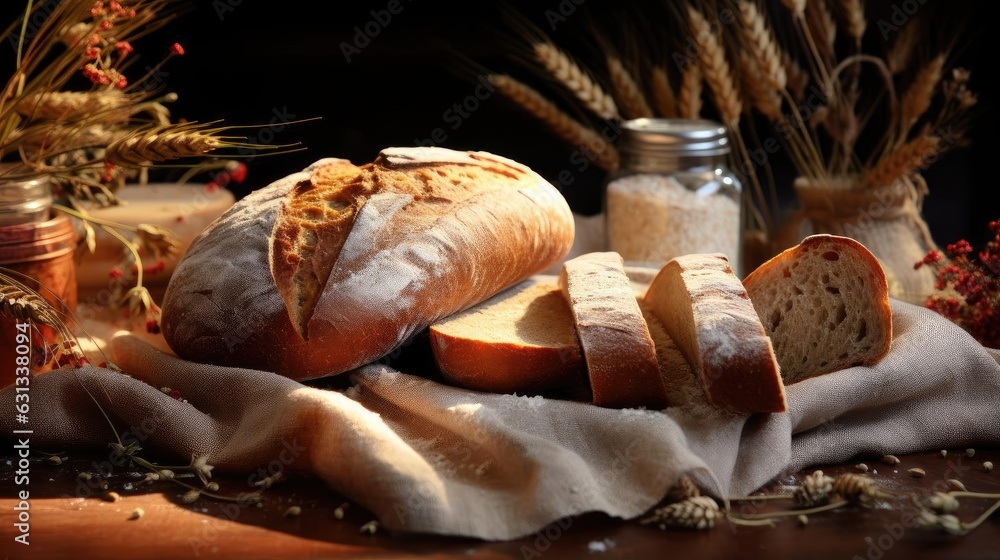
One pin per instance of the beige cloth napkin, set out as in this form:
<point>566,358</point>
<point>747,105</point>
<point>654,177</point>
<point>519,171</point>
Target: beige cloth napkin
<point>430,458</point>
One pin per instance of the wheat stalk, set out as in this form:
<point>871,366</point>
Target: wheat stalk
<point>568,128</point>
<point>717,73</point>
<point>576,80</point>
<point>797,7</point>
<point>917,98</point>
<point>762,94</point>
<point>912,155</point>
<point>689,99</point>
<point>663,94</point>
<point>822,26</point>
<point>899,54</point>
<point>627,91</point>
<point>147,146</point>
<point>762,46</point>
<point>854,14</point>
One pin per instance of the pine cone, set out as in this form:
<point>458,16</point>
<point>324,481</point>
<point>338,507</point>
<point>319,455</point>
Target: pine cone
<point>814,491</point>
<point>699,512</point>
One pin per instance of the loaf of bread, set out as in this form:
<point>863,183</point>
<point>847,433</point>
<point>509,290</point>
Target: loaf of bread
<point>521,340</point>
<point>825,305</point>
<point>617,347</point>
<point>706,311</point>
<point>338,265</point>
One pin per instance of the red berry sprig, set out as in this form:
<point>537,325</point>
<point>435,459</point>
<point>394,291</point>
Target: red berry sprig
<point>970,283</point>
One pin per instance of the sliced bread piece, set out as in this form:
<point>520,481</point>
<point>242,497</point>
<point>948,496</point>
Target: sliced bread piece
<point>683,388</point>
<point>521,340</point>
<point>617,348</point>
<point>706,311</point>
<point>825,305</point>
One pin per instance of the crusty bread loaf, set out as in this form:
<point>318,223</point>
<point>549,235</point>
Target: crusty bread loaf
<point>825,305</point>
<point>705,310</point>
<point>521,340</point>
<point>617,348</point>
<point>417,235</point>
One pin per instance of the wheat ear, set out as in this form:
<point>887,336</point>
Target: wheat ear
<point>762,94</point>
<point>761,44</point>
<point>663,94</point>
<point>822,26</point>
<point>797,78</point>
<point>917,97</point>
<point>22,305</point>
<point>576,80</point>
<point>689,99</point>
<point>566,127</point>
<point>901,51</point>
<point>627,91</point>
<point>70,105</point>
<point>854,15</point>
<point>717,72</point>
<point>797,7</point>
<point>152,145</point>
<point>912,155</point>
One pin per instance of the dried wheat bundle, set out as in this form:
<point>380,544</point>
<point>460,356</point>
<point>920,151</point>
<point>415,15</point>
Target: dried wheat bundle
<point>576,80</point>
<point>568,128</point>
<point>716,69</point>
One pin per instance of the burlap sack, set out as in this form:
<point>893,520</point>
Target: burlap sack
<point>426,457</point>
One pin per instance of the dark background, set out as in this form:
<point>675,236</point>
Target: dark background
<point>248,60</point>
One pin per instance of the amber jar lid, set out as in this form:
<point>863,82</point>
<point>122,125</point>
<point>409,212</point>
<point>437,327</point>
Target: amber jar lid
<point>30,242</point>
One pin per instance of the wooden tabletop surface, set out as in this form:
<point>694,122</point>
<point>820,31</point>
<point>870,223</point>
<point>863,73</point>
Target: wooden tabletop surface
<point>69,521</point>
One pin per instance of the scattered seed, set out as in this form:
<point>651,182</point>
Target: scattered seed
<point>970,452</point>
<point>917,472</point>
<point>339,512</point>
<point>890,460</point>
<point>369,528</point>
<point>260,505</point>
<point>941,502</point>
<point>212,486</point>
<point>191,496</point>
<point>54,460</point>
<point>956,484</point>
<point>861,467</point>
<point>944,453</point>
<point>112,496</point>
<point>136,514</point>
<point>874,471</point>
<point>803,520</point>
<point>988,466</point>
<point>84,476</point>
<point>293,511</point>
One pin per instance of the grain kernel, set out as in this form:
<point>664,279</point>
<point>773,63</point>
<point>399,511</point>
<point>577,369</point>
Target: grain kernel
<point>970,452</point>
<point>988,466</point>
<point>112,496</point>
<point>917,472</point>
<point>369,528</point>
<point>956,484</point>
<point>890,460</point>
<point>803,520</point>
<point>861,467</point>
<point>944,453</point>
<point>293,511</point>
<point>136,514</point>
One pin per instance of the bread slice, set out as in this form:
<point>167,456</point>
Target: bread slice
<point>679,380</point>
<point>825,305</point>
<point>617,348</point>
<point>706,311</point>
<point>521,340</point>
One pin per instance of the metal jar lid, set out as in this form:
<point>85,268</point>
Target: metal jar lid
<point>24,201</point>
<point>674,137</point>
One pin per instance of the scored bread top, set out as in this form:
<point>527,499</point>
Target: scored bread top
<point>706,311</point>
<point>825,305</point>
<point>320,213</point>
<point>617,347</point>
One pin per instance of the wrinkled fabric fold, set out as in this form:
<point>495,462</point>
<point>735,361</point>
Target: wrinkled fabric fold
<point>430,458</point>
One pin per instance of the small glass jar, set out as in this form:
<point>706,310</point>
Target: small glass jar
<point>673,193</point>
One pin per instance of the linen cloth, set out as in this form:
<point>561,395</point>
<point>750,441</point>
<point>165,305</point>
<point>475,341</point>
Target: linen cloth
<point>426,457</point>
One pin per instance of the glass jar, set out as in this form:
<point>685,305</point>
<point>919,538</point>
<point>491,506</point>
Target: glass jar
<point>673,193</point>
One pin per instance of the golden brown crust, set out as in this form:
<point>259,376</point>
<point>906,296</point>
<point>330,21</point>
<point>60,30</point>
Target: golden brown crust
<point>706,311</point>
<point>618,350</point>
<point>825,304</point>
<point>438,231</point>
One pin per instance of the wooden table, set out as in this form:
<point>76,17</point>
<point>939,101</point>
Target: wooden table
<point>65,525</point>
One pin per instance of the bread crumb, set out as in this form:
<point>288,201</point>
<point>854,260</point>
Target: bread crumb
<point>970,452</point>
<point>988,466</point>
<point>112,496</point>
<point>369,528</point>
<point>136,514</point>
<point>944,453</point>
<point>600,546</point>
<point>293,511</point>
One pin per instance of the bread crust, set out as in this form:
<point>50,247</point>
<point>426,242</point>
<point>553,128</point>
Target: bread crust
<point>617,347</point>
<point>706,311</point>
<point>438,231</point>
<point>839,263</point>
